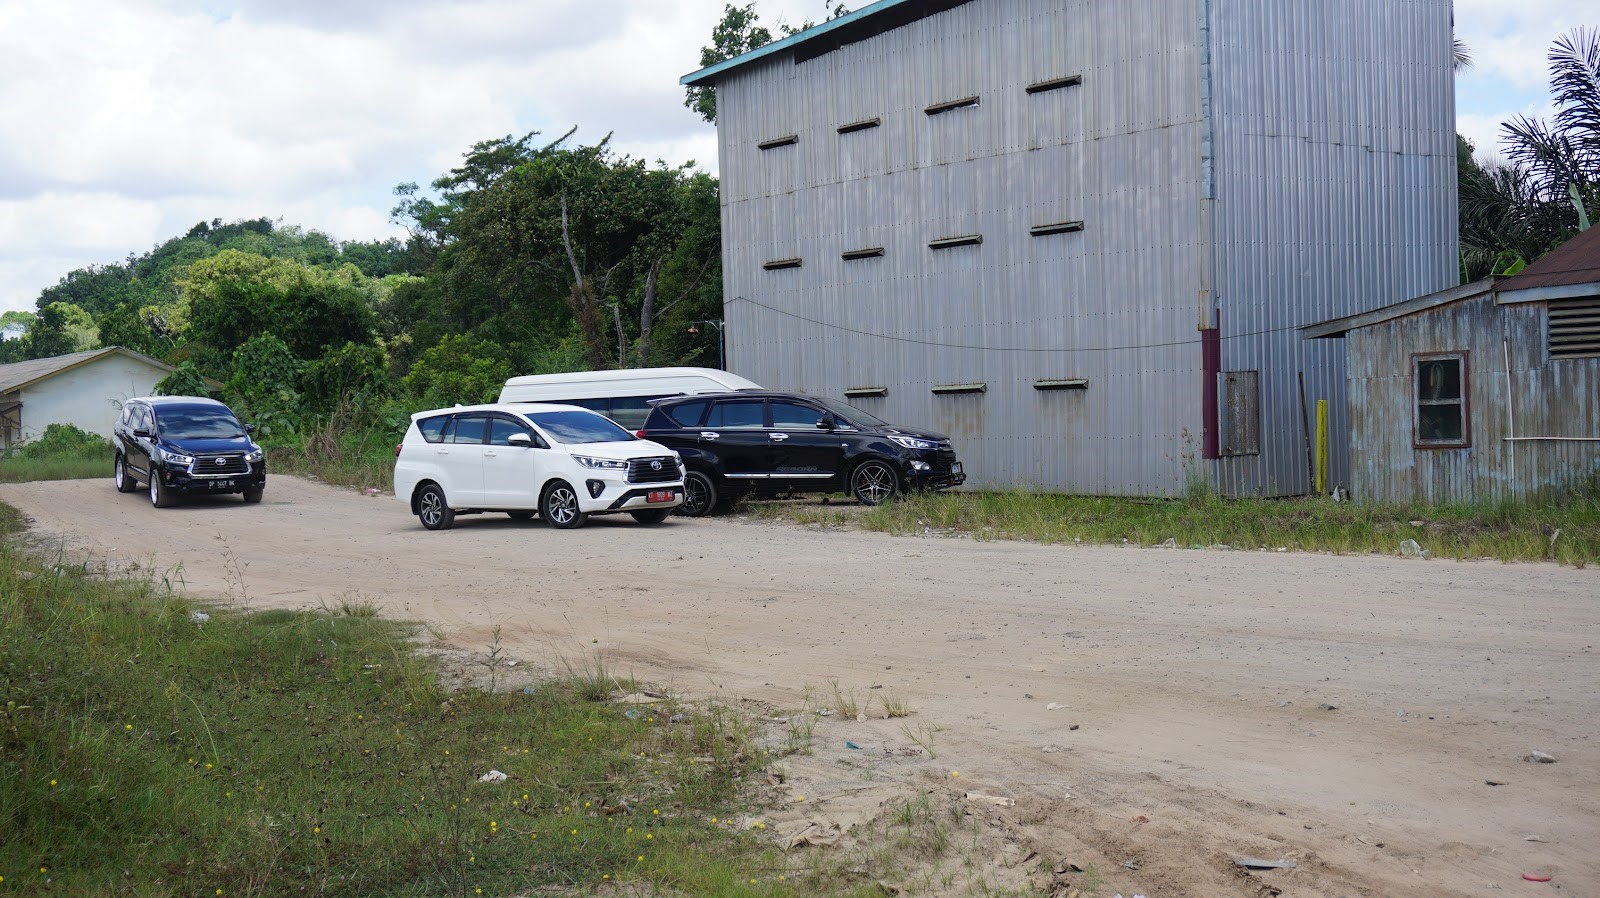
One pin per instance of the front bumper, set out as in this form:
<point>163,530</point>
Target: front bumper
<point>934,473</point>
<point>601,493</point>
<point>184,482</point>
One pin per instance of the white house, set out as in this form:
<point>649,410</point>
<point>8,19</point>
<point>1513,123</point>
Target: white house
<point>84,389</point>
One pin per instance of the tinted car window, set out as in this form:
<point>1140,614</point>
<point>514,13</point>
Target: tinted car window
<point>198,424</point>
<point>735,415</point>
<point>579,427</point>
<point>852,414</point>
<point>433,428</point>
<point>469,429</point>
<point>630,411</point>
<point>689,414</point>
<point>501,429</point>
<point>794,415</point>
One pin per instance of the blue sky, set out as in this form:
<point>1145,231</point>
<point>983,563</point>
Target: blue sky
<point>127,121</point>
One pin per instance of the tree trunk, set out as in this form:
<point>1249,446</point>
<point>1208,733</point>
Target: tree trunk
<point>647,312</point>
<point>581,299</point>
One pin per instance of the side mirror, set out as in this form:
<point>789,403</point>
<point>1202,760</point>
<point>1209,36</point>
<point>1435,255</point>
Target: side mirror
<point>520,439</point>
<point>142,434</point>
<point>828,422</point>
<point>249,428</point>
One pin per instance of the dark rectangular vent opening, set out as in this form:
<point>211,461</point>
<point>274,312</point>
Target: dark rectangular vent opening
<point>1055,84</point>
<point>776,142</point>
<point>1062,383</point>
<point>871,252</point>
<point>1060,227</point>
<point>777,264</point>
<point>1575,328</point>
<point>866,392</point>
<point>948,242</point>
<point>860,126</point>
<point>949,389</point>
<point>963,103</point>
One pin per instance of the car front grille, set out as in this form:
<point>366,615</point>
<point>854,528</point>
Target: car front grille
<point>656,469</point>
<point>222,465</point>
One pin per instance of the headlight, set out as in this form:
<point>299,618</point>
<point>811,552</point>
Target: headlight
<point>915,443</point>
<point>254,455</point>
<point>603,464</point>
<point>173,458</point>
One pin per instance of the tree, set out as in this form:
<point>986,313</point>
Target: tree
<point>1561,159</point>
<point>737,33</point>
<point>185,381</point>
<point>234,296</point>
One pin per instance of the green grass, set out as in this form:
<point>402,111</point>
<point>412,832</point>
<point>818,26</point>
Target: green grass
<point>291,753</point>
<point>82,464</point>
<point>1505,531</point>
<point>358,457</point>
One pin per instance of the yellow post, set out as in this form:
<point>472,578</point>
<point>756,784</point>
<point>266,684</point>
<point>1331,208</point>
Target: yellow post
<point>1322,446</point>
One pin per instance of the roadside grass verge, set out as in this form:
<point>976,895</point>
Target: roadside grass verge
<point>336,454</point>
<point>278,752</point>
<point>79,465</point>
<point>1567,532</point>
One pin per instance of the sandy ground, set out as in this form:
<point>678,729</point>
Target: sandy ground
<point>1155,713</point>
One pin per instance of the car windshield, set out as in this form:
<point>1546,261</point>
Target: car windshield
<point>850,413</point>
<point>198,424</point>
<point>579,427</point>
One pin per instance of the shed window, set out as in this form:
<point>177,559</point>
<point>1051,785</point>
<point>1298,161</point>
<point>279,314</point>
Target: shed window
<point>953,242</point>
<point>1575,328</point>
<point>1441,391</point>
<point>788,140</point>
<point>780,264</point>
<point>855,255</point>
<point>862,125</point>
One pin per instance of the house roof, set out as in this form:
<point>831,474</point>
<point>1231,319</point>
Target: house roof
<point>1338,327</point>
<point>1571,269</point>
<point>868,21</point>
<point>17,375</point>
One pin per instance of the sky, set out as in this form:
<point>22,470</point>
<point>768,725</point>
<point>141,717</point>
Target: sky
<point>125,122</point>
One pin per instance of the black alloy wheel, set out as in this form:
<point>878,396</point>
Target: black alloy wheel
<point>699,495</point>
<point>873,482</point>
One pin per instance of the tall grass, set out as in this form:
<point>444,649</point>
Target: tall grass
<point>1566,531</point>
<point>79,465</point>
<point>145,752</point>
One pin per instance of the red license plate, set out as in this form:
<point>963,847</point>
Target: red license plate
<point>661,496</point>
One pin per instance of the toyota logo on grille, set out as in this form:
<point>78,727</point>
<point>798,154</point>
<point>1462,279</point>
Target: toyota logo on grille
<point>222,461</point>
<point>655,465</point>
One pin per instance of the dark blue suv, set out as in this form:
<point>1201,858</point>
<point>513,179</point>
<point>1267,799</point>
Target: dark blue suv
<point>186,444</point>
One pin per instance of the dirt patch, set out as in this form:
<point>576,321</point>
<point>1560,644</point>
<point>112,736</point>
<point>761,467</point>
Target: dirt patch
<point>1154,714</point>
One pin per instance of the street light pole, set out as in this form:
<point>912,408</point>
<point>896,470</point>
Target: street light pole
<point>718,324</point>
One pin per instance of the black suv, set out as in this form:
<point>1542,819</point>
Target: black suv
<point>186,444</point>
<point>770,443</point>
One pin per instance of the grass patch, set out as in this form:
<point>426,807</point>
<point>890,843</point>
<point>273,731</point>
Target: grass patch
<point>337,454</point>
<point>286,753</point>
<point>62,452</point>
<point>1567,532</point>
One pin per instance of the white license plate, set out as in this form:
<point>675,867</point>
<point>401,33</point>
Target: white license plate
<point>661,496</point>
<point>222,484</point>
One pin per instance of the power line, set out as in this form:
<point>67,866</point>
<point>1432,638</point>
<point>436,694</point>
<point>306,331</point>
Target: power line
<point>851,330</point>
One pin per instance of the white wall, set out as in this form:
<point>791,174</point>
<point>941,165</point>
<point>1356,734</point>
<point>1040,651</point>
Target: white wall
<point>89,396</point>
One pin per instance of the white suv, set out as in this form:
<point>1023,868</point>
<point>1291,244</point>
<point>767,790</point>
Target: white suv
<point>563,462</point>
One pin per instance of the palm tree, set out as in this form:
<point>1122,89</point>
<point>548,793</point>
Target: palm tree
<point>1561,159</point>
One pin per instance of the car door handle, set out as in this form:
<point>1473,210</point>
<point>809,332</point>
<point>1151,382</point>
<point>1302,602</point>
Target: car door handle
<point>710,435</point>
<point>442,451</point>
<point>778,437</point>
<point>491,454</point>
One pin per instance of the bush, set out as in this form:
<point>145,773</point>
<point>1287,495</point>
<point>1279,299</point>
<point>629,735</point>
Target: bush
<point>65,439</point>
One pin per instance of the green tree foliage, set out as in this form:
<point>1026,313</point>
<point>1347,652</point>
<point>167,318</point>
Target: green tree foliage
<point>354,375</point>
<point>61,328</point>
<point>458,370</point>
<point>234,296</point>
<point>125,326</point>
<point>261,385</point>
<point>738,32</point>
<point>64,439</point>
<point>185,381</point>
<point>1516,211</point>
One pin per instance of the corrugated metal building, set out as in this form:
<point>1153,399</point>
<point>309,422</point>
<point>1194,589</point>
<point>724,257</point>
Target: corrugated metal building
<point>1484,391</point>
<point>1078,235</point>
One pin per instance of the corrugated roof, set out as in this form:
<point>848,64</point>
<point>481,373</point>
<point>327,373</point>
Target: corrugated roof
<point>17,375</point>
<point>868,21</point>
<point>1338,327</point>
<point>1575,262</point>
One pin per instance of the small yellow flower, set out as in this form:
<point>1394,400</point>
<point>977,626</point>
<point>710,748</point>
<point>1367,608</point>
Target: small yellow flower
<point>316,829</point>
<point>219,891</point>
<point>799,798</point>
<point>641,857</point>
<point>713,820</point>
<point>127,726</point>
<point>586,804</point>
<point>955,773</point>
<point>208,766</point>
<point>656,811</point>
<point>44,869</point>
<point>472,859</point>
<point>605,876</point>
<point>649,835</point>
<point>52,782</point>
<point>574,832</point>
<point>630,829</point>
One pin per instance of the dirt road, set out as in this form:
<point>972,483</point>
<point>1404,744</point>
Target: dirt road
<point>1348,713</point>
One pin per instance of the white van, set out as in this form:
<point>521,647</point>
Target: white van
<point>623,395</point>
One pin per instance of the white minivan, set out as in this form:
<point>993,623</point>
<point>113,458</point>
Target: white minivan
<point>560,462</point>
<point>623,395</point>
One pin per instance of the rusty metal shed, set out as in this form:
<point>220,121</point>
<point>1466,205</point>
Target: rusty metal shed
<point>1485,391</point>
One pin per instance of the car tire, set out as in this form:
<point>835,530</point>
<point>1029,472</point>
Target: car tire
<point>520,515</point>
<point>874,482</point>
<point>560,508</point>
<point>433,509</point>
<point>699,495</point>
<point>253,494</point>
<point>651,515</point>
<point>160,495</point>
<point>120,476</point>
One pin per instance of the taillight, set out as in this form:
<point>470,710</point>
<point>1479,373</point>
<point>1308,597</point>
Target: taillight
<point>397,449</point>
<point>642,434</point>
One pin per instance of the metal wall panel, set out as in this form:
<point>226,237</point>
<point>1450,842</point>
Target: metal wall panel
<point>1119,302</point>
<point>1543,398</point>
<point>1336,180</point>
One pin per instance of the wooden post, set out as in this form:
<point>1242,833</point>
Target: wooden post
<point>1322,446</point>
